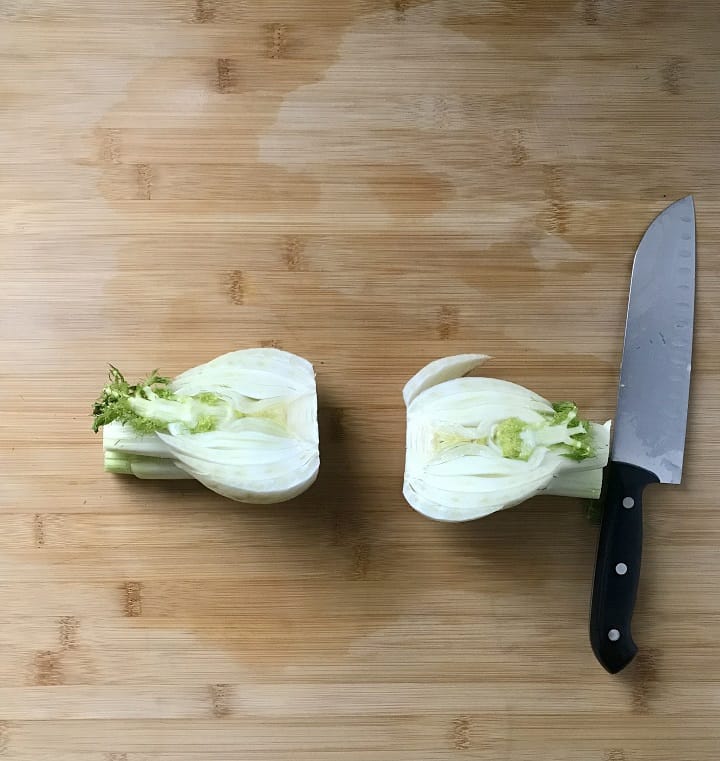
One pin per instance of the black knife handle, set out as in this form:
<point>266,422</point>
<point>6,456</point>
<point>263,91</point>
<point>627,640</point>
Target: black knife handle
<point>617,569</point>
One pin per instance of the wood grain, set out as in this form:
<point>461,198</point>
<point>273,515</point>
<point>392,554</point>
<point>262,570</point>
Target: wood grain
<point>371,184</point>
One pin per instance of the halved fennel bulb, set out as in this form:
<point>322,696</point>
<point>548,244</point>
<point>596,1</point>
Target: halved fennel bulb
<point>243,424</point>
<point>477,445</point>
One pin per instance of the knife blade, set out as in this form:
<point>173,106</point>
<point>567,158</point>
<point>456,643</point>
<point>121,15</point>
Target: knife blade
<point>651,419</point>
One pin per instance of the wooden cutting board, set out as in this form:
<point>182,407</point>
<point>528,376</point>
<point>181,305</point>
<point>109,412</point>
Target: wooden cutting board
<point>370,184</point>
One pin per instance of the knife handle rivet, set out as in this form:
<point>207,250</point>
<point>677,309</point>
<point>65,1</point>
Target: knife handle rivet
<point>613,635</point>
<point>621,569</point>
<point>628,502</point>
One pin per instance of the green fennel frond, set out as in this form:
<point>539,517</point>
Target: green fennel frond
<point>113,404</point>
<point>579,444</point>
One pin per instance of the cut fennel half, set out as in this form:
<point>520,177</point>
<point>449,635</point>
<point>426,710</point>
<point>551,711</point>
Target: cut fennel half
<point>477,445</point>
<point>243,424</point>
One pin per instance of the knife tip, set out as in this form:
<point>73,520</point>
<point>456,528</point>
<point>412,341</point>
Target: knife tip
<point>685,202</point>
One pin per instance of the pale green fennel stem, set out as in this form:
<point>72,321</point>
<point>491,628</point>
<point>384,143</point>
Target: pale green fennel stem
<point>142,467</point>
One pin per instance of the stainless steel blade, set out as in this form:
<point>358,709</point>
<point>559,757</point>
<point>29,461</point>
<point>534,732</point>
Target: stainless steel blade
<point>655,373</point>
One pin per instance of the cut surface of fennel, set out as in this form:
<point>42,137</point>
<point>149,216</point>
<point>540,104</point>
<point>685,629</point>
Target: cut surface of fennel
<point>243,424</point>
<point>477,445</point>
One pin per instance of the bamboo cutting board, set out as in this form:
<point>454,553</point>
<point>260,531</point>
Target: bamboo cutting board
<point>370,184</point>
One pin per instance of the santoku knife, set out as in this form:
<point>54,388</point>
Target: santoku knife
<point>649,427</point>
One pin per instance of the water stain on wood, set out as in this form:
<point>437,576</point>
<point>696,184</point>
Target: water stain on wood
<point>531,22</point>
<point>168,83</point>
<point>641,13</point>
<point>500,264</point>
<point>220,700</point>
<point>235,285</point>
<point>519,14</point>
<point>132,599</point>
<point>317,540</point>
<point>116,757</point>
<point>407,190</point>
<point>47,668</point>
<point>270,343</point>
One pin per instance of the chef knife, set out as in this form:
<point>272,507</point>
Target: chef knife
<point>649,428</point>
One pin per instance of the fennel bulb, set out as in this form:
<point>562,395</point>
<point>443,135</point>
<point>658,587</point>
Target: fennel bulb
<point>243,424</point>
<point>478,445</point>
